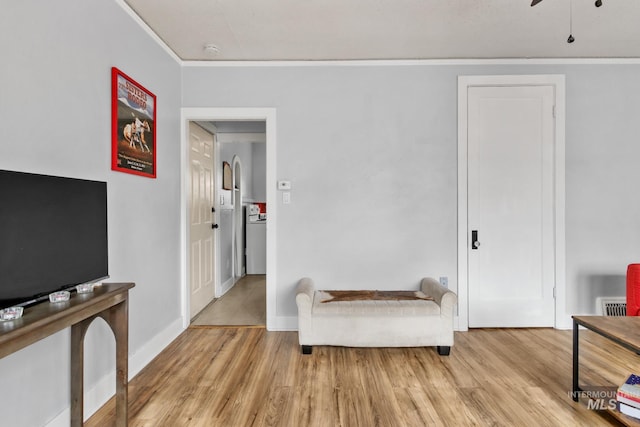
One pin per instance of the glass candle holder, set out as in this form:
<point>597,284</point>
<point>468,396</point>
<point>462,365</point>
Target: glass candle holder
<point>84,288</point>
<point>11,313</point>
<point>59,296</point>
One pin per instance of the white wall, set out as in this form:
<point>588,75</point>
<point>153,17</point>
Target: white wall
<point>243,151</point>
<point>55,115</point>
<point>254,163</point>
<point>366,149</point>
<point>371,153</point>
<point>253,159</point>
<point>259,172</point>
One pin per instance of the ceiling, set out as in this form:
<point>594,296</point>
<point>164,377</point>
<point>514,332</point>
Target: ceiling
<point>302,30</point>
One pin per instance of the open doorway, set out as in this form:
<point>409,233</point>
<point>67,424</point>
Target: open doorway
<point>240,297</point>
<point>231,205</point>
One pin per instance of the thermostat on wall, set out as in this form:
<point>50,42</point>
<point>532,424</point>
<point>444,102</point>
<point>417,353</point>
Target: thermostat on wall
<point>284,185</point>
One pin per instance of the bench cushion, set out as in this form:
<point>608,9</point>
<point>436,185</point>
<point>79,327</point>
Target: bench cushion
<point>414,307</point>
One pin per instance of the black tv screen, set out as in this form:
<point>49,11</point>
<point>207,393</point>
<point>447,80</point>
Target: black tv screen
<point>53,235</point>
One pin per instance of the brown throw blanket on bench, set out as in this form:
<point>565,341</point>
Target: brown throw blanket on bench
<point>375,295</point>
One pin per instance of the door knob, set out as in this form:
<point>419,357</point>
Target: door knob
<point>475,244</point>
<point>214,226</point>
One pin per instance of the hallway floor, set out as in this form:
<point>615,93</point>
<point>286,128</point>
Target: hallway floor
<point>243,305</point>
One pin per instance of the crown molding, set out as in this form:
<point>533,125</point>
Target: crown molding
<point>418,62</point>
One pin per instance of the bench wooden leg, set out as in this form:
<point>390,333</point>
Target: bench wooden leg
<point>444,350</point>
<point>307,349</point>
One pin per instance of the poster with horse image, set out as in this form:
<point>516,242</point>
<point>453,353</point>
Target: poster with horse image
<point>133,126</point>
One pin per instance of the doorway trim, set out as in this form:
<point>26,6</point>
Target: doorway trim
<point>238,218</point>
<point>268,115</point>
<point>562,320</point>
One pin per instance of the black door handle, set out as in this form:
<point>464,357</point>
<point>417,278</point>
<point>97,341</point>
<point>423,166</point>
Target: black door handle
<point>214,226</point>
<point>475,244</point>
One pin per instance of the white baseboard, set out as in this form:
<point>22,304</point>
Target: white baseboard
<point>456,324</point>
<point>564,322</point>
<point>290,323</point>
<point>228,284</point>
<point>98,394</point>
<point>282,323</point>
<point>153,347</point>
<point>62,420</point>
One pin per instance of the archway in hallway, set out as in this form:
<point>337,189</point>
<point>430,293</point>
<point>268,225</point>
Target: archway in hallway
<point>238,217</point>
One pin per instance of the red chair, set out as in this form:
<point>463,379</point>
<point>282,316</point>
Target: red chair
<point>633,290</point>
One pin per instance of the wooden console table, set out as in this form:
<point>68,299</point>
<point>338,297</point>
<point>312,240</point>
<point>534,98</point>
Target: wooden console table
<point>622,330</point>
<point>110,302</point>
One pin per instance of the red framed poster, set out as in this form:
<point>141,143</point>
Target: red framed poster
<point>133,126</point>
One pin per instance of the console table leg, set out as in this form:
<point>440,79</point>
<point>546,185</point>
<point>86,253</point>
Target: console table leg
<point>120,320</point>
<point>77,371</point>
<point>117,317</point>
<point>576,387</point>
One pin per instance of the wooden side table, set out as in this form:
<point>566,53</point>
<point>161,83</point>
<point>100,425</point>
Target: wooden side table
<point>622,330</point>
<point>110,302</point>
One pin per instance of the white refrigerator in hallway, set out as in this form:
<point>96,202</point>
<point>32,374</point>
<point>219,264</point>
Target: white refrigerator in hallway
<point>256,240</point>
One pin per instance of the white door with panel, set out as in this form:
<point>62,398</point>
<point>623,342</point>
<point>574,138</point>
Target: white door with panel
<point>202,219</point>
<point>511,206</point>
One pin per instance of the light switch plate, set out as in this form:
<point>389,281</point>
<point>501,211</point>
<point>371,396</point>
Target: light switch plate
<point>284,185</point>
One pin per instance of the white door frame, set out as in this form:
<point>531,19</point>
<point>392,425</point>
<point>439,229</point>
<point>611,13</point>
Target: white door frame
<point>237,216</point>
<point>562,319</point>
<point>229,114</point>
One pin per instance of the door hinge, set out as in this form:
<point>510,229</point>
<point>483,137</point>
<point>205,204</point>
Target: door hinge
<point>553,111</point>
<point>554,292</point>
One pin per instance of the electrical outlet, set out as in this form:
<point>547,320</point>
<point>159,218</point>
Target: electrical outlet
<point>444,281</point>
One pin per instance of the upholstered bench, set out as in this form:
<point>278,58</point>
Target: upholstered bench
<point>424,320</point>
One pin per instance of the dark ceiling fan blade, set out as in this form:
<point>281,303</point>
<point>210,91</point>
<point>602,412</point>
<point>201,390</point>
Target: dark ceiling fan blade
<point>535,2</point>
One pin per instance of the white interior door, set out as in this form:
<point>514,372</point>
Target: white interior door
<point>511,206</point>
<point>201,213</point>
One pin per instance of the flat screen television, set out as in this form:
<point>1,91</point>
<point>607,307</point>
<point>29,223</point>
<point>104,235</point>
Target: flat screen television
<point>53,235</point>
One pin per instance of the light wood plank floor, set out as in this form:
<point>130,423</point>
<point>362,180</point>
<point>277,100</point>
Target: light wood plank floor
<point>252,377</point>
